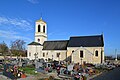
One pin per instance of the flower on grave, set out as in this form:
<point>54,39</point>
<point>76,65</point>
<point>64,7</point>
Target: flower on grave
<point>18,74</point>
<point>11,70</point>
<point>7,70</point>
<point>35,71</point>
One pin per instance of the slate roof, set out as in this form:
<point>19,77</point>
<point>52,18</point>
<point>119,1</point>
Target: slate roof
<point>55,45</point>
<point>86,41</point>
<point>34,43</point>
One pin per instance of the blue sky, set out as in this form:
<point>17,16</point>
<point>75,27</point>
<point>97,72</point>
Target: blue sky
<point>65,18</point>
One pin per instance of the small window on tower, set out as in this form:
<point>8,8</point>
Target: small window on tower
<point>44,28</point>
<point>38,28</point>
<point>38,40</point>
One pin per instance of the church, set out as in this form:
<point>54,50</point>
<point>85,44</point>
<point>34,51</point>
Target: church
<point>82,49</point>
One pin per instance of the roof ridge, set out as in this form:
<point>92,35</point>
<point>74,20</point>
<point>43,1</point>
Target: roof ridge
<point>87,36</point>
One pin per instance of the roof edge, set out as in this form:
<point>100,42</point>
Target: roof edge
<point>87,36</point>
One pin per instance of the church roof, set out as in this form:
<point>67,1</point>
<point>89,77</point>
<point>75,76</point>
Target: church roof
<point>55,45</point>
<point>34,43</point>
<point>40,20</point>
<point>86,41</point>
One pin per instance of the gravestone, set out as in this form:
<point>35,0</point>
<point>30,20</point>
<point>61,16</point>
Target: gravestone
<point>38,64</point>
<point>62,70</point>
<point>70,67</point>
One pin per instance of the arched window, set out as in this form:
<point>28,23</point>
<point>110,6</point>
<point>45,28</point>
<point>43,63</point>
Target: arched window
<point>38,28</point>
<point>44,28</point>
<point>96,53</point>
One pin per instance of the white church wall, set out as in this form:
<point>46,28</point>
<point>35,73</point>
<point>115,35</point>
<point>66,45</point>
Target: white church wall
<point>88,54</point>
<point>32,49</point>
<point>52,54</point>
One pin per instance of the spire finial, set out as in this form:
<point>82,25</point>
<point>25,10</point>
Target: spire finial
<point>41,16</point>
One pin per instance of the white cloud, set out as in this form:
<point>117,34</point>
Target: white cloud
<point>33,1</point>
<point>11,35</point>
<point>16,23</point>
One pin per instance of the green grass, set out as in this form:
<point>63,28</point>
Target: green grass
<point>28,70</point>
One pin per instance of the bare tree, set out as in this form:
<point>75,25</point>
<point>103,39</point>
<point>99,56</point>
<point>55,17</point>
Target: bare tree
<point>18,47</point>
<point>4,49</point>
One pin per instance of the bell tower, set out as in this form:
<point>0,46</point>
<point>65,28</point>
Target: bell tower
<point>40,31</point>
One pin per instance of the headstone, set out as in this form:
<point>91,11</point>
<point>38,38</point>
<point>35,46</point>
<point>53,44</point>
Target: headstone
<point>48,65</point>
<point>62,70</point>
<point>20,64</point>
<point>36,64</point>
<point>70,67</point>
<point>40,64</point>
<point>41,60</point>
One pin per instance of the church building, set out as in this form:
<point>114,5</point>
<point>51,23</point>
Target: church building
<point>82,49</point>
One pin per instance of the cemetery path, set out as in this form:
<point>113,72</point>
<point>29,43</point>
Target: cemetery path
<point>31,77</point>
<point>111,75</point>
<point>2,77</point>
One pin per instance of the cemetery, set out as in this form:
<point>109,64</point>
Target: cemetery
<point>16,69</point>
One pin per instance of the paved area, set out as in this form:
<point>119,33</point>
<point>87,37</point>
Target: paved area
<point>31,77</point>
<point>111,75</point>
<point>2,77</point>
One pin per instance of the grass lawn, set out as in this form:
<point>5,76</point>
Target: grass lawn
<point>28,70</point>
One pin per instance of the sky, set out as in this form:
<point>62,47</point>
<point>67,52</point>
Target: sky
<point>64,18</point>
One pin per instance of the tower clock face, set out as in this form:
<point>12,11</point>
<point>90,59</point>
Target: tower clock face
<point>38,40</point>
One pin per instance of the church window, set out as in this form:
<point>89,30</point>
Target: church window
<point>38,28</point>
<point>72,51</point>
<point>43,54</point>
<point>29,53</point>
<point>44,28</point>
<point>96,53</point>
<point>58,54</point>
<point>81,54</point>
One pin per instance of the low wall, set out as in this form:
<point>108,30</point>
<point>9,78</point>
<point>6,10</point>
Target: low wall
<point>2,57</point>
